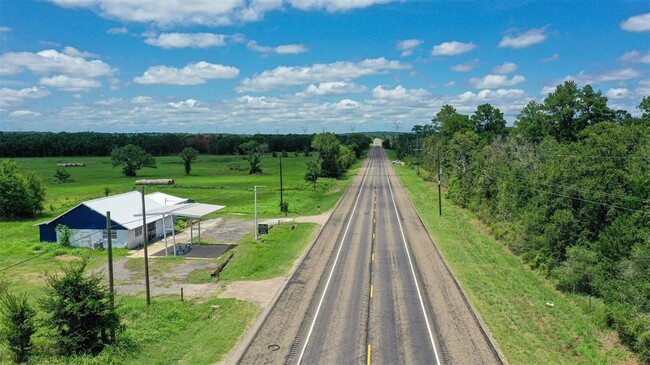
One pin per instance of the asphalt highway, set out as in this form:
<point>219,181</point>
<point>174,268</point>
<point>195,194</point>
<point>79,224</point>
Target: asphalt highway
<point>373,288</point>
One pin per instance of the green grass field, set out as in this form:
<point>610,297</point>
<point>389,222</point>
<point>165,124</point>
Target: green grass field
<point>509,296</point>
<point>170,331</point>
<point>212,181</point>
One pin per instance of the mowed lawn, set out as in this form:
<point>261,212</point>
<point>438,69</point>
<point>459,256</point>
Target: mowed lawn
<point>511,298</point>
<point>192,332</point>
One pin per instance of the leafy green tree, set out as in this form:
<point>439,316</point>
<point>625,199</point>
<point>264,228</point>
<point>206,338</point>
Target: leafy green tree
<point>357,142</point>
<point>488,121</point>
<point>385,143</point>
<point>18,320</point>
<point>571,110</point>
<point>313,172</point>
<point>188,155</point>
<point>644,105</point>
<point>448,121</point>
<point>62,175</point>
<point>579,271</point>
<point>21,196</point>
<point>80,310</point>
<point>328,147</point>
<point>532,122</point>
<point>346,158</point>
<point>132,158</point>
<point>253,151</point>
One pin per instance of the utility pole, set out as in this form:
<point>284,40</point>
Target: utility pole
<point>146,254</point>
<point>109,246</point>
<point>397,137</point>
<point>255,189</point>
<point>439,187</point>
<point>281,191</point>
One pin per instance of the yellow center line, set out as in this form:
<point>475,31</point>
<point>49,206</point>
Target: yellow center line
<point>373,256</point>
<point>369,353</point>
<point>371,290</point>
<point>373,235</point>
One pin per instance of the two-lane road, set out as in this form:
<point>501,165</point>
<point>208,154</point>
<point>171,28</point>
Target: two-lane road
<point>372,289</point>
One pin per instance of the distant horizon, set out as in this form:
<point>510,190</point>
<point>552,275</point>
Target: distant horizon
<point>251,67</point>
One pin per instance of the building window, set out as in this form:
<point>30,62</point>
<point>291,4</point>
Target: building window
<point>138,231</point>
<point>113,234</point>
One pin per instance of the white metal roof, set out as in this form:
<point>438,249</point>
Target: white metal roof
<point>166,199</point>
<point>192,210</point>
<point>124,207</point>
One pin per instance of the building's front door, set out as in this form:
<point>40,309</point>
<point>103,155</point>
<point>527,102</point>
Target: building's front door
<point>151,231</point>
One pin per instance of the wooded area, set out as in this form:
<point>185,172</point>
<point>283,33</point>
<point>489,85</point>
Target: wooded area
<point>47,144</point>
<point>567,188</point>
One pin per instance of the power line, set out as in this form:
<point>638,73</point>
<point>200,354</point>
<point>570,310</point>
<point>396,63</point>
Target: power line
<point>582,156</point>
<point>589,201</point>
<point>633,198</point>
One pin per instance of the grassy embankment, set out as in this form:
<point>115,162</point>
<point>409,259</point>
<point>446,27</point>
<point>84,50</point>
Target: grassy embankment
<point>169,331</point>
<point>510,297</point>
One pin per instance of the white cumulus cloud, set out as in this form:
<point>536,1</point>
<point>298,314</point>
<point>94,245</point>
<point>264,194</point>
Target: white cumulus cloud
<point>452,48</point>
<point>525,39</point>
<point>605,76</point>
<point>24,114</point>
<point>52,61</point>
<point>204,12</point>
<point>407,46</point>
<point>399,93</point>
<point>189,103</point>
<point>67,83</point>
<point>12,97</point>
<point>187,40</point>
<point>635,57</point>
<point>335,5</point>
<point>334,88</point>
<point>495,81</point>
<point>118,30</point>
<point>142,100</point>
<point>466,67</point>
<point>506,68</point>
<point>551,58</point>
<point>192,74</point>
<point>282,49</point>
<point>284,76</point>
<point>619,93</point>
<point>638,23</point>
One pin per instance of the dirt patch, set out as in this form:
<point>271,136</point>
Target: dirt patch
<point>258,292</point>
<point>67,258</point>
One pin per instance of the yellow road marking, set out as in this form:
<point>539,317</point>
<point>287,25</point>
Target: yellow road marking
<point>373,235</point>
<point>373,256</point>
<point>369,353</point>
<point>371,290</point>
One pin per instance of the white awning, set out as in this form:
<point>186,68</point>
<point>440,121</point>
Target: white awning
<point>192,210</point>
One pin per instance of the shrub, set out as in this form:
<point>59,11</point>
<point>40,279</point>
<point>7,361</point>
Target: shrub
<point>18,325</point>
<point>80,310</point>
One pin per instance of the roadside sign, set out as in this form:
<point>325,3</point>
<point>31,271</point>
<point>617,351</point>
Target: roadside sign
<point>262,229</point>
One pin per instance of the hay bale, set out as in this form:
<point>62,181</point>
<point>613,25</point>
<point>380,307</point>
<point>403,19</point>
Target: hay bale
<point>155,182</point>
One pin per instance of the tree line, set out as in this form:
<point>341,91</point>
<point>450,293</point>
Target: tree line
<point>48,144</point>
<point>567,188</point>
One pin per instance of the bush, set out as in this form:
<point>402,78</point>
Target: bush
<point>62,175</point>
<point>18,325</point>
<point>80,310</point>
<point>21,196</point>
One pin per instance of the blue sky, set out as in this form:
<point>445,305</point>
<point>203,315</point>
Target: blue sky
<point>268,66</point>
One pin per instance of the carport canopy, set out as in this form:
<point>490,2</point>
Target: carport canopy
<point>189,210</point>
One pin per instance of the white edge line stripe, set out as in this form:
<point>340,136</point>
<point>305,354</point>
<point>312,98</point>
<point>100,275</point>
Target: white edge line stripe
<point>417,286</point>
<point>327,284</point>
